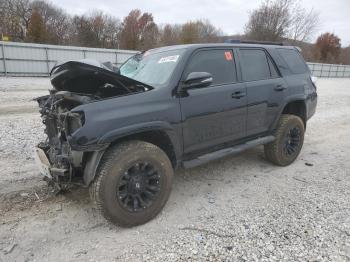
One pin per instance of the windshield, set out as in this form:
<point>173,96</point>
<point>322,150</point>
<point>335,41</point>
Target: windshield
<point>154,69</point>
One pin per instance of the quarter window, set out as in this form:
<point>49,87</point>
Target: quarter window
<point>294,61</point>
<point>219,63</point>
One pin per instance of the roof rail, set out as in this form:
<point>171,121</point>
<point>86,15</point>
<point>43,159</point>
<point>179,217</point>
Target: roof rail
<point>236,41</point>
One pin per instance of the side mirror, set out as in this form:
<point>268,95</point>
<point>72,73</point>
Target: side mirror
<point>198,80</point>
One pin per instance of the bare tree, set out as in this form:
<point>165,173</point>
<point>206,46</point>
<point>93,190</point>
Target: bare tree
<point>105,29</point>
<point>96,30</point>
<point>112,31</point>
<point>303,23</point>
<point>81,33</point>
<point>208,33</point>
<point>270,22</point>
<point>56,22</point>
<point>169,34</point>
<point>280,19</point>
<point>15,18</point>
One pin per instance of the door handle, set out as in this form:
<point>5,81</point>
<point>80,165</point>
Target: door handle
<point>237,94</point>
<point>280,87</point>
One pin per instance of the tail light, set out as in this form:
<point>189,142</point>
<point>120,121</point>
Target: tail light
<point>313,81</point>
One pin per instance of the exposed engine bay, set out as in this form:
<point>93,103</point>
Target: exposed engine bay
<point>75,83</point>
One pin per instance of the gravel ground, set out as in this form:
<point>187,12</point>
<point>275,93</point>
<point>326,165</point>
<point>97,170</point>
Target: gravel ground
<point>240,208</point>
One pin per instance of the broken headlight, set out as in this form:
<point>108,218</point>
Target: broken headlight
<point>74,121</point>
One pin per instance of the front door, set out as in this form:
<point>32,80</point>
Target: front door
<point>214,115</point>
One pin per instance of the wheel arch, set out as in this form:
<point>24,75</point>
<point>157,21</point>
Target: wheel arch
<point>295,107</point>
<point>164,138</point>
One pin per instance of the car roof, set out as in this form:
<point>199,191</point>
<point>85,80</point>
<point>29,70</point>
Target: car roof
<point>213,45</point>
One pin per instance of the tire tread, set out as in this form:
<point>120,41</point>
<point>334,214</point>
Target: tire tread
<point>272,152</point>
<point>105,165</point>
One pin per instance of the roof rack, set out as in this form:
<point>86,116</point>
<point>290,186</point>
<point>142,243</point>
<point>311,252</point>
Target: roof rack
<point>236,41</point>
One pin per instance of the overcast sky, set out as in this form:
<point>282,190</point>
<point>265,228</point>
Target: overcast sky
<point>229,15</point>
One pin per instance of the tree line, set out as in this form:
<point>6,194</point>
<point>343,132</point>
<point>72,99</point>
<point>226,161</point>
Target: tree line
<point>39,21</point>
<point>42,22</point>
<point>287,21</point>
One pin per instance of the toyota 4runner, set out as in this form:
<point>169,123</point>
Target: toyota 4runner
<point>122,133</point>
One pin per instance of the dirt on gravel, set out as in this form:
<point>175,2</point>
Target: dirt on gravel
<point>240,208</point>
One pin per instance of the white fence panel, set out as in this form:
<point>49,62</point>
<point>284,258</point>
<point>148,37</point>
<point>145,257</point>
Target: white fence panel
<point>63,54</point>
<point>22,59</point>
<point>329,70</point>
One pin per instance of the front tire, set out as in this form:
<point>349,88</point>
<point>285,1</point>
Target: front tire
<point>288,143</point>
<point>133,183</point>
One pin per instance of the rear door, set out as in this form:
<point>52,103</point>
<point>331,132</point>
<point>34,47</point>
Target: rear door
<point>216,114</point>
<point>265,89</point>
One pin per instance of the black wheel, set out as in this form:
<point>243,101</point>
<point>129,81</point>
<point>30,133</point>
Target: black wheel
<point>133,183</point>
<point>289,141</point>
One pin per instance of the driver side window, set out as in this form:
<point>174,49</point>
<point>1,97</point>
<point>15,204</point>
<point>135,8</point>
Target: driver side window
<point>219,63</point>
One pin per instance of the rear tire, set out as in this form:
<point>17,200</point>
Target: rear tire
<point>133,183</point>
<point>288,143</point>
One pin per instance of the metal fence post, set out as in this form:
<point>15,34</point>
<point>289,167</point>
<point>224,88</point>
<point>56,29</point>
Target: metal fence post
<point>116,58</point>
<point>47,60</point>
<point>4,58</point>
<point>84,54</point>
<point>336,75</point>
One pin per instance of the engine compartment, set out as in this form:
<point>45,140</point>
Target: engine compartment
<point>76,83</point>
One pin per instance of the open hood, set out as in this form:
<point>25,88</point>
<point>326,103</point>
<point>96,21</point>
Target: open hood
<point>92,77</point>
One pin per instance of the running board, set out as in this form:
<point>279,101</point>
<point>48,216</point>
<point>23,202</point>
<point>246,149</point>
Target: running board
<point>227,151</point>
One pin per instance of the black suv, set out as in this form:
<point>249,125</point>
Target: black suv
<point>124,132</point>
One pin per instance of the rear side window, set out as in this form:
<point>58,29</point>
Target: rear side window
<point>219,63</point>
<point>254,65</point>
<point>294,61</point>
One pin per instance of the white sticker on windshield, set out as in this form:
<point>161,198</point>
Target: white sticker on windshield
<point>168,59</point>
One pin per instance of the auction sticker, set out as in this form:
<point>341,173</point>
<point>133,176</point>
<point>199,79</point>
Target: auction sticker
<point>169,59</point>
<point>228,55</point>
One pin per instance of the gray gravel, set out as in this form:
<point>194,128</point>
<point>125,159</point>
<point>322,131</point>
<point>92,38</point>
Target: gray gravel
<point>239,208</point>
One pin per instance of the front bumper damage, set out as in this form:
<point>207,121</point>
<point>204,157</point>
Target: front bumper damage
<point>65,157</point>
<point>58,160</point>
<point>42,163</point>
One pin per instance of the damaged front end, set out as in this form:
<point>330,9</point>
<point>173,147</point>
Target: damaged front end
<point>75,83</point>
<point>59,162</point>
